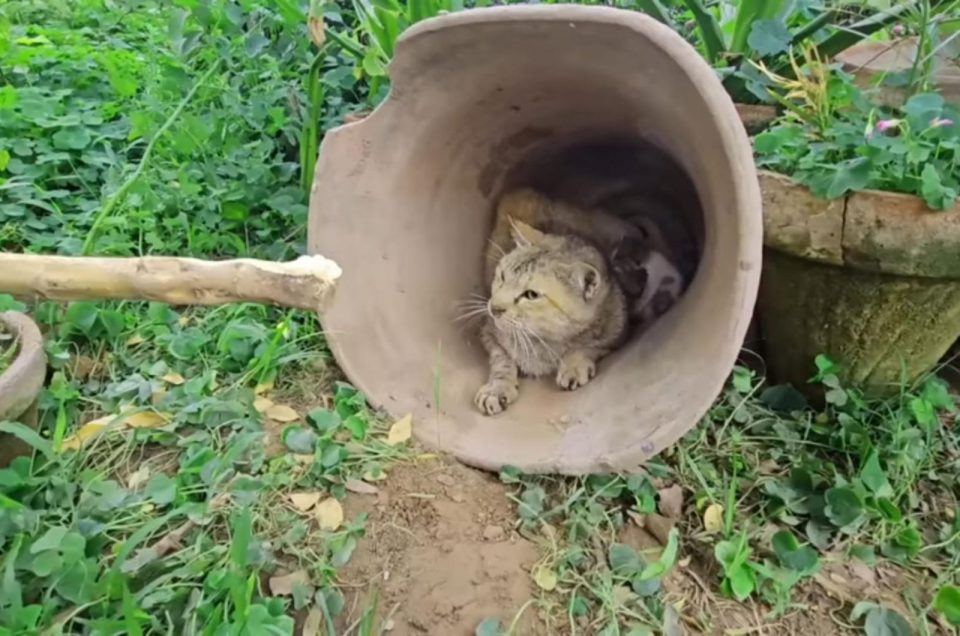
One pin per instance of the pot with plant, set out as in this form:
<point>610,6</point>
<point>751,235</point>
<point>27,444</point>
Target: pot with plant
<point>23,365</point>
<point>862,230</point>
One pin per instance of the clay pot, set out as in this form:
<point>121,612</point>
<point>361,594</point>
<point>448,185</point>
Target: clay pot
<point>404,201</point>
<point>21,383</point>
<point>871,280</point>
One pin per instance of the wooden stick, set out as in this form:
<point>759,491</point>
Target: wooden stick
<point>306,283</point>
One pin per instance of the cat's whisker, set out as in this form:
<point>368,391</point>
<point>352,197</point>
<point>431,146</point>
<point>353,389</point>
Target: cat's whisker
<point>472,313</point>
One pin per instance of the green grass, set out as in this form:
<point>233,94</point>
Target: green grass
<point>172,128</point>
<point>773,491</point>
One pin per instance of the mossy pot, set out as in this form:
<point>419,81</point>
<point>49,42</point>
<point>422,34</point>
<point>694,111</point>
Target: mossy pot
<point>21,382</point>
<point>872,280</point>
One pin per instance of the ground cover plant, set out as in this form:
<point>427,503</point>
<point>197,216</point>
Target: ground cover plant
<point>834,139</point>
<point>194,469</point>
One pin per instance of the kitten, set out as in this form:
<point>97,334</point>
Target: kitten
<point>554,308</point>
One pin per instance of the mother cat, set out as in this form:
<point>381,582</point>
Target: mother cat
<point>555,306</point>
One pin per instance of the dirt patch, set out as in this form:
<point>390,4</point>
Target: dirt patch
<point>441,549</point>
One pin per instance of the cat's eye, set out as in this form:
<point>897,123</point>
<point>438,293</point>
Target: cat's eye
<point>530,295</point>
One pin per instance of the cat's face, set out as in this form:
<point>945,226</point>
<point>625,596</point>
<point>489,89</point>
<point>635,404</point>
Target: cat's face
<point>548,286</point>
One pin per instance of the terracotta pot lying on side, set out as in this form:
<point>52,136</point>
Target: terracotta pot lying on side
<point>872,280</point>
<point>21,383</point>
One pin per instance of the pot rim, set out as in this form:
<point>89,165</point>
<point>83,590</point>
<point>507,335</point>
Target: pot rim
<point>869,230</point>
<point>22,381</point>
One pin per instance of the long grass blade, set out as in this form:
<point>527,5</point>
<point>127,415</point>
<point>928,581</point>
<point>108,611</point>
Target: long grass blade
<point>710,32</point>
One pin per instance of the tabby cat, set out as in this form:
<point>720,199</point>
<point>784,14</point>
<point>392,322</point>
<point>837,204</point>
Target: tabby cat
<point>554,308</point>
<point>564,286</point>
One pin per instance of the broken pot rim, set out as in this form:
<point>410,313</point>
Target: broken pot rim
<point>875,230</point>
<point>22,381</point>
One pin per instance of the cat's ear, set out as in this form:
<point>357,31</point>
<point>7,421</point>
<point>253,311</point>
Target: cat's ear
<point>524,234</point>
<point>587,278</point>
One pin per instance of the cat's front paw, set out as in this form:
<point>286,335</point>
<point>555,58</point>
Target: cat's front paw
<point>494,397</point>
<point>575,371</point>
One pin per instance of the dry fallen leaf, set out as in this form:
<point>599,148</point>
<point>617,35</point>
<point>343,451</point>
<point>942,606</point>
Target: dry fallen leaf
<point>282,413</point>
<point>173,378</point>
<point>262,404</point>
<point>713,518</point>
<point>85,432</point>
<point>401,430</point>
<point>671,501</point>
<point>139,477</point>
<point>146,419</point>
<point>313,625</point>
<point>283,585</point>
<point>329,514</point>
<point>142,419</point>
<point>361,487</point>
<point>545,578</point>
<point>304,501</point>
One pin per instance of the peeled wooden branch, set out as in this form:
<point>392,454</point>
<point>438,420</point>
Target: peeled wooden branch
<point>306,283</point>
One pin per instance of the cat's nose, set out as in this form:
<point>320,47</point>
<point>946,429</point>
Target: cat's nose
<point>496,311</point>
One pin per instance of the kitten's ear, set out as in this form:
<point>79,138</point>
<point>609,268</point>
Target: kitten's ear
<point>587,278</point>
<point>524,234</point>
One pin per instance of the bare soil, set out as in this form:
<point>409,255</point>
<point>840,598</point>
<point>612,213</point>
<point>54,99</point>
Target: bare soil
<point>440,547</point>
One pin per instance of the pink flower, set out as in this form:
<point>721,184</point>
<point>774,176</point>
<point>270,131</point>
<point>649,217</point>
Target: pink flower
<point>940,122</point>
<point>887,124</point>
<point>898,30</point>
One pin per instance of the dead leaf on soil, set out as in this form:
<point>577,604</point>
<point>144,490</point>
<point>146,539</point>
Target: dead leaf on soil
<point>139,477</point>
<point>713,518</point>
<point>329,514</point>
<point>283,585</point>
<point>85,432</point>
<point>671,501</point>
<point>262,404</point>
<point>146,419</point>
<point>304,501</point>
<point>545,578</point>
<point>173,378</point>
<point>313,625</point>
<point>401,430</point>
<point>141,419</point>
<point>282,413</point>
<point>360,487</point>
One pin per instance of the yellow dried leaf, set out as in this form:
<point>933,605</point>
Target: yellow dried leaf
<point>132,341</point>
<point>713,518</point>
<point>146,419</point>
<point>85,432</point>
<point>360,487</point>
<point>173,378</point>
<point>304,501</point>
<point>329,514</point>
<point>401,430</point>
<point>262,404</point>
<point>282,413</point>
<point>545,578</point>
<point>283,585</point>
<point>313,625</point>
